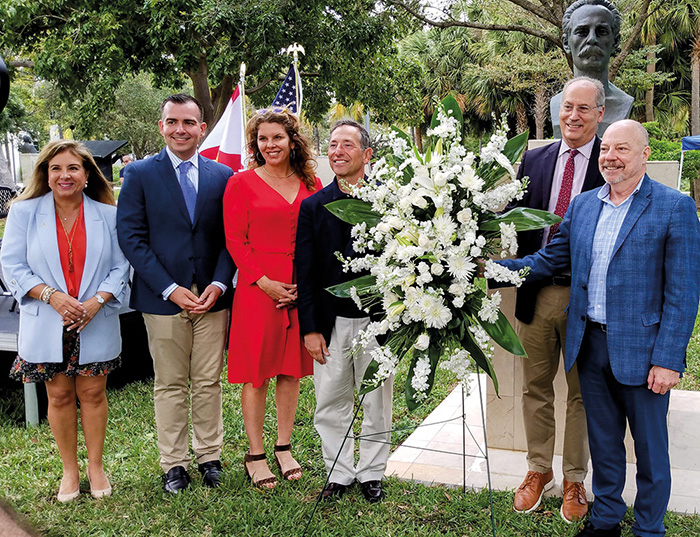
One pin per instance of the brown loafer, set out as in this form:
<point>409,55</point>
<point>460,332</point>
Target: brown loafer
<point>529,494</point>
<point>574,505</point>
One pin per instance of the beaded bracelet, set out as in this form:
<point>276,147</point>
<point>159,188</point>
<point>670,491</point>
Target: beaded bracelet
<point>46,294</point>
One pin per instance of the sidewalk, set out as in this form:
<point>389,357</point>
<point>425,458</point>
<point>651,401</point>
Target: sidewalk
<point>433,453</point>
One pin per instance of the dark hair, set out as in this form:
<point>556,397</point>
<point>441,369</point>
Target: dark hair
<point>365,141</point>
<point>566,20</point>
<point>303,163</point>
<point>183,98</point>
<point>97,187</point>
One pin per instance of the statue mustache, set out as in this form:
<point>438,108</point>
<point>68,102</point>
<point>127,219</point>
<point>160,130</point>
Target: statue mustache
<point>591,50</point>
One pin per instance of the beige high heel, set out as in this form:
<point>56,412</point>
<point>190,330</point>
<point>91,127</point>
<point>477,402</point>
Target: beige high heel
<point>70,496</point>
<point>99,493</point>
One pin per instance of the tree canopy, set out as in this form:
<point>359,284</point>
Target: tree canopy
<point>87,47</point>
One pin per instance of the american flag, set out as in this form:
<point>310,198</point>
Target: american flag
<point>290,93</point>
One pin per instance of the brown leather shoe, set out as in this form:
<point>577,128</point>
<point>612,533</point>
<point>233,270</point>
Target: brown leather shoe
<point>574,505</point>
<point>529,494</point>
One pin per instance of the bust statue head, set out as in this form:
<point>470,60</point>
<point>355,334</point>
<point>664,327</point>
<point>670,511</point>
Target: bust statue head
<point>591,33</point>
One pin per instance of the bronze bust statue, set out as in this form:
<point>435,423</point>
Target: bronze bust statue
<point>591,33</point>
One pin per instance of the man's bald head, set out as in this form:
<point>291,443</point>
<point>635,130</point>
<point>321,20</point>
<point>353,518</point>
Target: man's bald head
<point>624,152</point>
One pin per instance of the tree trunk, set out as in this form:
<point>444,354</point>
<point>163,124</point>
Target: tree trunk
<point>521,117</point>
<point>541,108</point>
<point>651,69</point>
<point>200,84</point>
<point>419,138</point>
<point>695,87</point>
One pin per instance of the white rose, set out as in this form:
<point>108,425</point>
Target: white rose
<point>437,269</point>
<point>395,222</point>
<point>384,227</point>
<point>423,342</point>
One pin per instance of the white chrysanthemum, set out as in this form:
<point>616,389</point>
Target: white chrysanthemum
<point>460,266</point>
<point>444,227</point>
<point>436,314</point>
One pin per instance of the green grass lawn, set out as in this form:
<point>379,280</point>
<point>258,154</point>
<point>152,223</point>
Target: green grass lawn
<point>30,474</point>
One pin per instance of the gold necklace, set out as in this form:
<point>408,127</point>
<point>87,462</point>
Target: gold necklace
<point>69,238</point>
<point>277,176</point>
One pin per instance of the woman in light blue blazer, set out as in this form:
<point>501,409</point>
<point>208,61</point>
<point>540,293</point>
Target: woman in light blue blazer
<point>61,260</point>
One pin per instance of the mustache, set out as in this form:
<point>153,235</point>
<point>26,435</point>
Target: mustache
<point>591,50</point>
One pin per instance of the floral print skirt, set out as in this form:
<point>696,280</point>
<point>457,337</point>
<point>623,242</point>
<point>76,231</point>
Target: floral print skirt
<point>24,371</point>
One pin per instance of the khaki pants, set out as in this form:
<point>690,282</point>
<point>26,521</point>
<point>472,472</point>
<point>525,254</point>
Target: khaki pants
<point>335,382</point>
<point>188,358</point>
<point>544,339</point>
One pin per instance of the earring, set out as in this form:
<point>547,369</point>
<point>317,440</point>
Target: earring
<point>259,158</point>
<point>292,154</point>
<point>86,183</point>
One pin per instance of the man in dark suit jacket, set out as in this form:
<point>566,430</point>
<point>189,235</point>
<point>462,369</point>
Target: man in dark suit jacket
<point>556,174</point>
<point>170,227</point>
<point>633,248</point>
<point>329,325</point>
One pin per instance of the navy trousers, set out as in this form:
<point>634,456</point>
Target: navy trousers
<point>609,406</point>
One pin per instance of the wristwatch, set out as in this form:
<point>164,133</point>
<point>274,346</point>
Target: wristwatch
<point>100,300</point>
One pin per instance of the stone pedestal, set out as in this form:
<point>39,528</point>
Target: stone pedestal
<point>504,414</point>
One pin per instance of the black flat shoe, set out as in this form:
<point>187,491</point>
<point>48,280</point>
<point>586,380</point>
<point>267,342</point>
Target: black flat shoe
<point>333,491</point>
<point>372,491</point>
<point>211,473</point>
<point>176,479</point>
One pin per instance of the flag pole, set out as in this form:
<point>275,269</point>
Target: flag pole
<point>244,115</point>
<point>295,49</point>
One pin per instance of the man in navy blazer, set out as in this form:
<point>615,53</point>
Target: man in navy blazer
<point>330,324</point>
<point>633,248</point>
<point>540,306</point>
<point>170,227</point>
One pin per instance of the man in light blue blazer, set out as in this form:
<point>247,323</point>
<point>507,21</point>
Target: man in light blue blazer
<point>633,247</point>
<point>171,229</point>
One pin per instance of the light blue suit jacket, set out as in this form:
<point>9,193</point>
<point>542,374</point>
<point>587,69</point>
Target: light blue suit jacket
<point>30,257</point>
<point>653,280</point>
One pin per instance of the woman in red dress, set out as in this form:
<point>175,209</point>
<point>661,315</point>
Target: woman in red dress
<point>261,207</point>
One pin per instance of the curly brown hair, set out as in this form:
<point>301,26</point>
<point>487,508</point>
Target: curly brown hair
<point>97,187</point>
<point>301,159</point>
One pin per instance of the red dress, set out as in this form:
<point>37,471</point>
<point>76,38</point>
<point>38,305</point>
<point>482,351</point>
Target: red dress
<point>261,229</point>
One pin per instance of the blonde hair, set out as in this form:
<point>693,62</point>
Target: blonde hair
<point>97,187</point>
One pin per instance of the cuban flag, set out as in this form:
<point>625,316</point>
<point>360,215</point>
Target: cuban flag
<point>226,142</point>
<point>290,95</point>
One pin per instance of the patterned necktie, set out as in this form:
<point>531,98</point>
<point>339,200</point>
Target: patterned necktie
<point>564,198</point>
<point>188,190</point>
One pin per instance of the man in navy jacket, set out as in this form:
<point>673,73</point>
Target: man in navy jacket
<point>330,324</point>
<point>540,307</point>
<point>170,228</point>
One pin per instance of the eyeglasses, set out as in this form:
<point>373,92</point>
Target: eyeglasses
<point>581,109</point>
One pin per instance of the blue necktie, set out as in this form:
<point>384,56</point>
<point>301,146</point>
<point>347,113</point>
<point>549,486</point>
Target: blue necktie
<point>188,190</point>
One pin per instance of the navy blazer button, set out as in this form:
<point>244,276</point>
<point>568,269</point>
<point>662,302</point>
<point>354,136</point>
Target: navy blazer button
<point>583,317</point>
<point>584,287</point>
